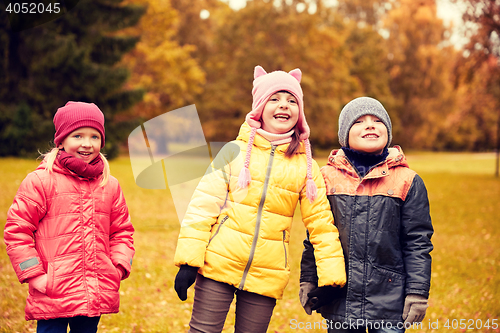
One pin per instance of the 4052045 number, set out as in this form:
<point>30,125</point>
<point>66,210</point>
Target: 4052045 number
<point>33,8</point>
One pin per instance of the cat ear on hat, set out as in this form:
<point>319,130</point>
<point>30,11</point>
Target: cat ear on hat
<point>296,73</point>
<point>258,71</point>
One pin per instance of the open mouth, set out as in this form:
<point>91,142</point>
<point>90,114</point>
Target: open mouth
<point>84,153</point>
<point>281,116</point>
<point>370,136</point>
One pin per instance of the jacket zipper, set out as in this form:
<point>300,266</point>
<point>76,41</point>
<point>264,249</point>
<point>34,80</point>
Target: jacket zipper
<point>220,225</point>
<point>259,218</point>
<point>284,247</point>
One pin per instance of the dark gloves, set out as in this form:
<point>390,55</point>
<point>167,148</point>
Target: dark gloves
<point>414,310</point>
<point>305,289</point>
<point>322,296</point>
<point>185,279</point>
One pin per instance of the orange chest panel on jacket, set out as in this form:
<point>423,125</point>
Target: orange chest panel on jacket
<point>393,182</point>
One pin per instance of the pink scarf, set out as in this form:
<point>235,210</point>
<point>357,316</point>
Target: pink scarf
<point>81,168</point>
<point>276,139</point>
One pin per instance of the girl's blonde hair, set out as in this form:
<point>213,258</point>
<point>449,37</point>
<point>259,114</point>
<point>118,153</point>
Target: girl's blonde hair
<point>52,155</point>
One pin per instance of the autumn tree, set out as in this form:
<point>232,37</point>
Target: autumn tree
<point>196,23</point>
<point>283,37</point>
<point>369,56</point>
<point>166,70</point>
<point>420,71</point>
<point>73,57</point>
<point>366,12</point>
<point>481,63</point>
<point>472,125</point>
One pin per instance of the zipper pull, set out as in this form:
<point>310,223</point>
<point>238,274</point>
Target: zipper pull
<point>273,148</point>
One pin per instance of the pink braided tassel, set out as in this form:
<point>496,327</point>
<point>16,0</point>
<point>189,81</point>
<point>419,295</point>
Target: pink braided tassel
<point>244,178</point>
<point>311,189</point>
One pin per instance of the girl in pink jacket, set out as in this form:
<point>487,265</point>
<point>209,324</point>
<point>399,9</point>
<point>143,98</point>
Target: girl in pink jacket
<point>68,232</point>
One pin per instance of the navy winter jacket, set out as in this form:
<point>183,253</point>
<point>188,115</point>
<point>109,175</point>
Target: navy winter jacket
<point>385,230</point>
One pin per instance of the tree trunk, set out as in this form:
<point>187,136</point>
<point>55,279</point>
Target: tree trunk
<point>498,146</point>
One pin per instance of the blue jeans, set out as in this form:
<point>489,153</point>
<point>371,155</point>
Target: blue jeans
<point>79,324</point>
<point>375,328</point>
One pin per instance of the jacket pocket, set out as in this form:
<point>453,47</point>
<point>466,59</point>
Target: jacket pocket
<point>50,279</point>
<point>390,273</point>
<point>218,229</point>
<point>115,283</point>
<point>385,293</point>
<point>36,285</point>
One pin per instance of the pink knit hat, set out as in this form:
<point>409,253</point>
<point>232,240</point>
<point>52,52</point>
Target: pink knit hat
<point>264,86</point>
<point>75,115</point>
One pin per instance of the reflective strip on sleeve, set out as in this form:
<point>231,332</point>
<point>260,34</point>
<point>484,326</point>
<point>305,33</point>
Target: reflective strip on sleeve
<point>29,263</point>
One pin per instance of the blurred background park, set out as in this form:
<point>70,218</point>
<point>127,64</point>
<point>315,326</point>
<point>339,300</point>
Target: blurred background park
<point>137,59</point>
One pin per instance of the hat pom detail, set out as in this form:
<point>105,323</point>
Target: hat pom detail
<point>311,190</point>
<point>258,71</point>
<point>296,73</point>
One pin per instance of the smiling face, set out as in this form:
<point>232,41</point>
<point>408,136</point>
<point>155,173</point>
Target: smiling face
<point>281,113</point>
<point>368,134</point>
<point>83,143</point>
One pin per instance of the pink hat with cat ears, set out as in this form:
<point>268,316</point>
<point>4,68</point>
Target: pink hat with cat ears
<point>264,86</point>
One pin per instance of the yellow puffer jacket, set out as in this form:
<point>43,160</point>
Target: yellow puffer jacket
<point>240,236</point>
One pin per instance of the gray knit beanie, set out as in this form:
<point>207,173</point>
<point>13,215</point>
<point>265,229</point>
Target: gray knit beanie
<point>359,107</point>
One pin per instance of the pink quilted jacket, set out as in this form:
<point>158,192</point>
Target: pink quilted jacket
<point>77,233</point>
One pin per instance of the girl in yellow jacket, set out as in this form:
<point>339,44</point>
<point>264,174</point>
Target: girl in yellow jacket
<point>234,237</point>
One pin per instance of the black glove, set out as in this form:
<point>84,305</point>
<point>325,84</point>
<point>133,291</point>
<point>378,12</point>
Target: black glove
<point>322,296</point>
<point>185,279</point>
<point>305,289</point>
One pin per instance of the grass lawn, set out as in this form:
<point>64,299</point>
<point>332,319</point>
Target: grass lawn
<point>465,203</point>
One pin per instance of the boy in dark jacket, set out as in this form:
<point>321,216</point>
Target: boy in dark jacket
<point>381,210</point>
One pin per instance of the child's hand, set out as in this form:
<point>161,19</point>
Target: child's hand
<point>306,288</point>
<point>184,279</point>
<point>121,271</point>
<point>323,295</point>
<point>414,310</point>
<point>39,283</point>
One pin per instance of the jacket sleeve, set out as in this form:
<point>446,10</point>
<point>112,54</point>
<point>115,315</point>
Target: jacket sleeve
<point>323,234</point>
<point>416,236</point>
<point>308,271</point>
<point>26,211</point>
<point>205,206</point>
<point>121,243</point>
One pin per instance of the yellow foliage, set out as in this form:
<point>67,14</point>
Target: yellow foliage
<point>166,70</point>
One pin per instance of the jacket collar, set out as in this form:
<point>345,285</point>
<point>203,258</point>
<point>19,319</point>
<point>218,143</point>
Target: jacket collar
<point>396,157</point>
